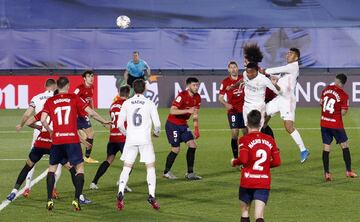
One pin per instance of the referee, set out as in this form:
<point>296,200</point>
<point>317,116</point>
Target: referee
<point>135,69</point>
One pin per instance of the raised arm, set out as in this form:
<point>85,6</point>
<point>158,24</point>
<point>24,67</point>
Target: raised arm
<point>280,69</point>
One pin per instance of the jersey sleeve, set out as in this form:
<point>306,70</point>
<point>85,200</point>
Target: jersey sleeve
<point>269,85</point>
<point>243,152</point>
<point>223,88</point>
<point>275,155</point>
<point>155,116</point>
<point>33,102</point>
<point>77,91</point>
<point>281,69</point>
<point>38,116</point>
<point>345,102</point>
<point>80,104</point>
<point>128,66</point>
<point>46,108</point>
<point>122,118</point>
<point>177,101</point>
<point>146,66</point>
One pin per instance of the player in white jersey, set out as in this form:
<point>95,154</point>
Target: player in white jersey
<point>255,87</point>
<point>139,113</point>
<point>286,102</point>
<point>35,106</point>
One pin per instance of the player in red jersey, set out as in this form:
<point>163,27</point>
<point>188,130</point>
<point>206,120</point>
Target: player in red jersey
<point>234,104</point>
<point>186,104</point>
<point>258,153</point>
<point>335,104</point>
<point>63,110</point>
<point>86,92</point>
<point>116,140</point>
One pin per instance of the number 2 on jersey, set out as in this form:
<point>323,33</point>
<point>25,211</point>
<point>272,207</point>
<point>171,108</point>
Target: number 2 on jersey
<point>63,120</point>
<point>328,105</point>
<point>260,153</point>
<point>114,119</point>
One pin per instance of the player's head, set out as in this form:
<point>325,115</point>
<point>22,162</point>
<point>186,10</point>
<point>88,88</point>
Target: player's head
<point>63,84</point>
<point>340,79</point>
<point>252,70</point>
<point>88,77</point>
<point>254,119</point>
<point>192,84</point>
<point>139,86</point>
<point>136,56</point>
<point>50,84</point>
<point>293,55</point>
<point>252,53</point>
<point>233,68</point>
<point>124,91</point>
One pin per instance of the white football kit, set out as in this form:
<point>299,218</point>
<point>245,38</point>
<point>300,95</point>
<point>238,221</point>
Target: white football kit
<point>37,102</point>
<point>140,113</point>
<point>255,94</point>
<point>286,102</point>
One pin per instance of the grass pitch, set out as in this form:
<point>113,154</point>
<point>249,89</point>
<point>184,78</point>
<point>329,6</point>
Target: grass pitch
<point>298,193</point>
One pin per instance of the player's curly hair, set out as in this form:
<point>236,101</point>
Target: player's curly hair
<point>253,53</point>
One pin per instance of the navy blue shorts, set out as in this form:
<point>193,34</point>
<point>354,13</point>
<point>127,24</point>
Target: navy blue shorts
<point>83,122</point>
<point>328,134</point>
<point>236,121</point>
<point>66,152</point>
<point>37,153</point>
<point>177,134</point>
<point>114,148</point>
<point>247,195</point>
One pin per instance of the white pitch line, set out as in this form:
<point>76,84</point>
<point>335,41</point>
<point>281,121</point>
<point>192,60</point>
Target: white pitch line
<point>6,202</point>
<point>203,130</point>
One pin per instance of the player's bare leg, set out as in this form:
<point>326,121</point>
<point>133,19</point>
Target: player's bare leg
<point>259,210</point>
<point>304,153</point>
<point>244,208</point>
<point>169,162</point>
<point>151,180</point>
<point>124,177</point>
<point>190,159</point>
<point>347,159</point>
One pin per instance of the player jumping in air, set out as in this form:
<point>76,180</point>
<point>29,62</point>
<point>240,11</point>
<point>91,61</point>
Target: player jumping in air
<point>335,104</point>
<point>139,113</point>
<point>286,102</point>
<point>63,110</point>
<point>185,104</point>
<point>116,140</point>
<point>234,104</point>
<point>86,92</point>
<point>258,153</point>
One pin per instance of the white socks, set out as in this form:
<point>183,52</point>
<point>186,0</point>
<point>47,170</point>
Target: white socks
<point>151,180</point>
<point>57,174</point>
<point>29,177</point>
<point>124,177</point>
<point>297,138</point>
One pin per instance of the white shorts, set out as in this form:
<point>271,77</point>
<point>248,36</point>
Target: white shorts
<point>147,154</point>
<point>36,133</point>
<point>286,107</point>
<point>247,108</point>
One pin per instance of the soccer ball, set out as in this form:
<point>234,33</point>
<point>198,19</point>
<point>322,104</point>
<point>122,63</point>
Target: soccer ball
<point>123,21</point>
